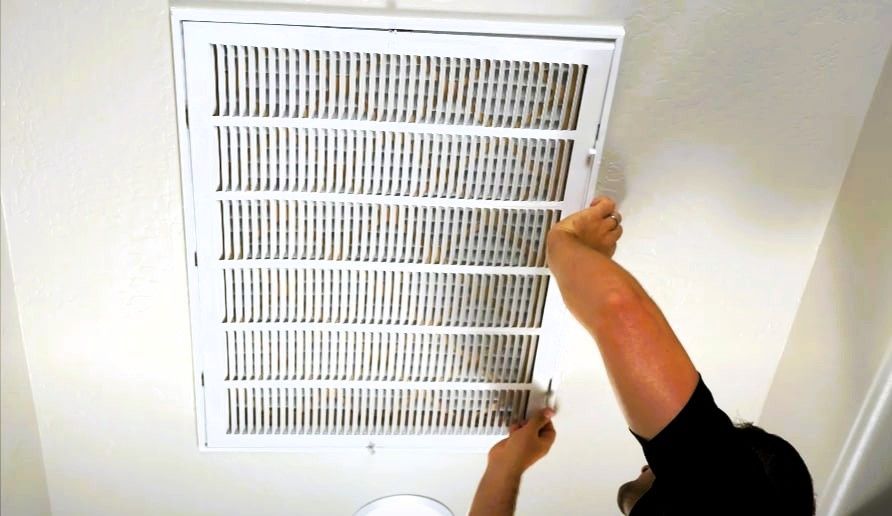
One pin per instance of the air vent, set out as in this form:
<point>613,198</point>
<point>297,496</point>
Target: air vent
<point>306,83</point>
<point>378,356</point>
<point>369,211</point>
<point>361,296</point>
<point>310,230</point>
<point>380,412</point>
<point>287,159</point>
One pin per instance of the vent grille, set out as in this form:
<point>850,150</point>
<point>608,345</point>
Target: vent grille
<point>392,163</point>
<point>333,411</point>
<point>316,295</point>
<point>303,83</point>
<point>310,230</point>
<point>368,212</point>
<point>379,356</point>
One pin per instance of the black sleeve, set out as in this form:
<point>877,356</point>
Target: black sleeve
<point>703,466</point>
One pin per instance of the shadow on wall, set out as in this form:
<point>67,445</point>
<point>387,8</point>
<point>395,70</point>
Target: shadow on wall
<point>612,180</point>
<point>879,506</point>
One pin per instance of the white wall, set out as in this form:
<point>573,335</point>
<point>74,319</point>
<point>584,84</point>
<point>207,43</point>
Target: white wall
<point>867,488</point>
<point>22,480</point>
<point>843,328</point>
<point>731,131</point>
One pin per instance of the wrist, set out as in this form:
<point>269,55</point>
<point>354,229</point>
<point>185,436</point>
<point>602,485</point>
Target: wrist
<point>557,242</point>
<point>559,234</point>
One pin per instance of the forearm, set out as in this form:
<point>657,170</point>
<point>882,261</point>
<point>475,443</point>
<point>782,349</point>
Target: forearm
<point>650,370</point>
<point>496,494</point>
<point>590,283</point>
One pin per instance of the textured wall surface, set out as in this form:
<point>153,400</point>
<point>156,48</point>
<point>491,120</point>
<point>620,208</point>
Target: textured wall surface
<point>869,491</point>
<point>731,130</point>
<point>23,489</point>
<point>843,328</point>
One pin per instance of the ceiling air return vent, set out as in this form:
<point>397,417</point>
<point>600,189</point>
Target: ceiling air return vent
<point>366,214</point>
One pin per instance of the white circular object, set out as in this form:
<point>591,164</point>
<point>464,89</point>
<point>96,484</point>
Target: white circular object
<point>404,505</point>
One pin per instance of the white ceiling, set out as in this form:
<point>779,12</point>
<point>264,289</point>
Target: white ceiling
<point>730,134</point>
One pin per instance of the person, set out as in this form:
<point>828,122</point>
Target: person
<point>698,461</point>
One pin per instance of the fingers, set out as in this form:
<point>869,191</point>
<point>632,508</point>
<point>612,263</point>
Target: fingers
<point>615,233</point>
<point>603,206</point>
<point>515,427</point>
<point>547,433</point>
<point>598,199</point>
<point>547,429</point>
<point>541,419</point>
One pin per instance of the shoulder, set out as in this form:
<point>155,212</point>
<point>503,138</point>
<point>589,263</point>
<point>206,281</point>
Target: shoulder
<point>702,458</point>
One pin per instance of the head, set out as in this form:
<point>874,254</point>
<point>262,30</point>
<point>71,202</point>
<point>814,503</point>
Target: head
<point>630,492</point>
<point>784,468</point>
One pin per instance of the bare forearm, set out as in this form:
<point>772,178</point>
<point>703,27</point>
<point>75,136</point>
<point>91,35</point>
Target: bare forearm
<point>496,494</point>
<point>650,370</point>
<point>589,281</point>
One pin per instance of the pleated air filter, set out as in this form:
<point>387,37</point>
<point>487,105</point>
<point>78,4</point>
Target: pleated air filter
<point>366,213</point>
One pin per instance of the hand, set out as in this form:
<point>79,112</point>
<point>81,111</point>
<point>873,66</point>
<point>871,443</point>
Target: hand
<point>527,442</point>
<point>594,226</point>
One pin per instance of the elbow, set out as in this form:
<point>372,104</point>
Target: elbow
<point>619,301</point>
<point>611,307</point>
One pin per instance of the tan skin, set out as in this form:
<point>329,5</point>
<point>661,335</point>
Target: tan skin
<point>651,374</point>
<point>526,443</point>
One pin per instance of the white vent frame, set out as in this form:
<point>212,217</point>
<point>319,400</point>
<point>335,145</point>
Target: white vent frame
<point>434,29</point>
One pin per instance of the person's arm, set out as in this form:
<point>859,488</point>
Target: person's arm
<point>526,443</point>
<point>496,494</point>
<point>650,371</point>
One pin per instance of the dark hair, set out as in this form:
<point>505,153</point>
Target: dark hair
<point>785,469</point>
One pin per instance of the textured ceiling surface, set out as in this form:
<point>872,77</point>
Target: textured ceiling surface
<point>730,133</point>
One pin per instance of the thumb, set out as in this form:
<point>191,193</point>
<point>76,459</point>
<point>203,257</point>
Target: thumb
<point>542,418</point>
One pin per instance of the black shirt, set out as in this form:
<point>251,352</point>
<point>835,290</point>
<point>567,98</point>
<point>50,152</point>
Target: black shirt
<point>701,465</point>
